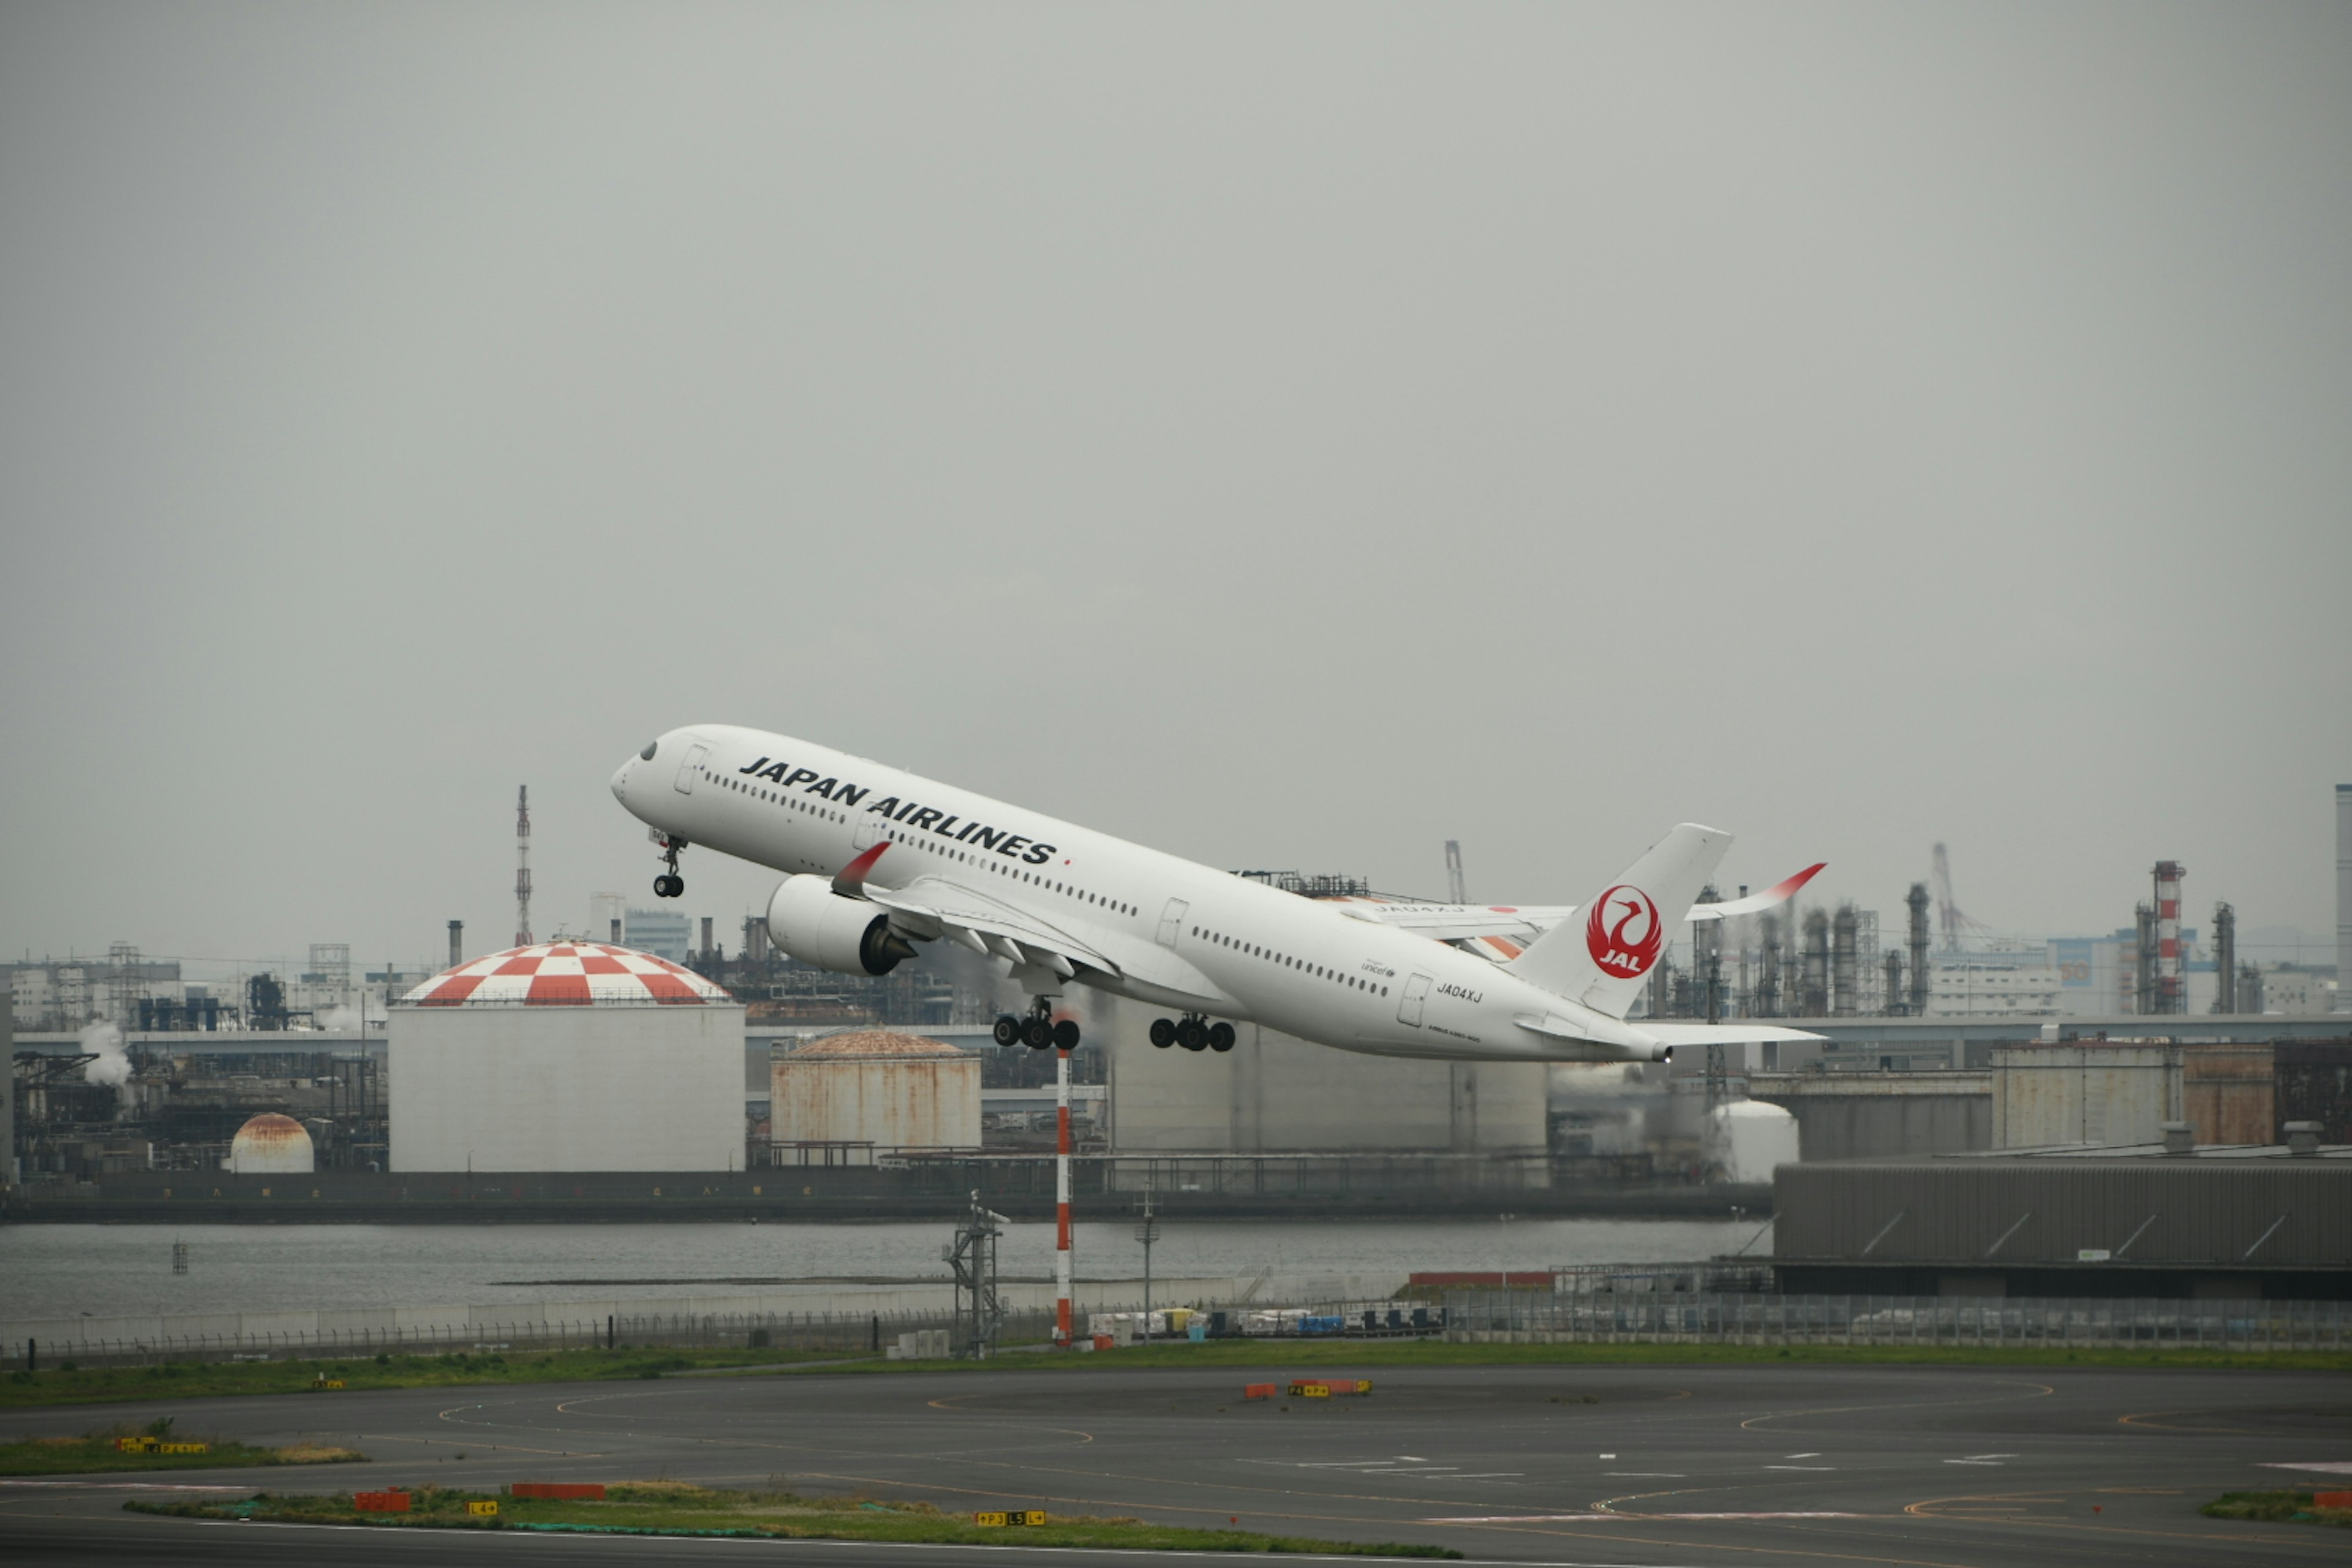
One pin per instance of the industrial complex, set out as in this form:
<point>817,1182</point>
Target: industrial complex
<point>1957,1076</point>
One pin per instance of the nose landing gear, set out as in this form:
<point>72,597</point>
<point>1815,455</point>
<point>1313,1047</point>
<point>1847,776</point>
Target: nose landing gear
<point>669,884</point>
<point>1038,1030</point>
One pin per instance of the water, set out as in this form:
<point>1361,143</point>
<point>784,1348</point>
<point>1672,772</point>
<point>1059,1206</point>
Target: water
<point>64,1270</point>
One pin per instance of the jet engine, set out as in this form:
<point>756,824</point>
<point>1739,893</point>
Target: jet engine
<point>809,921</point>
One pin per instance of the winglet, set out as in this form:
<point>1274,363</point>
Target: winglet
<point>850,881</point>
<point>1770,897</point>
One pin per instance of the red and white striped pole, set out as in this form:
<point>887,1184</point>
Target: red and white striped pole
<point>1062,1199</point>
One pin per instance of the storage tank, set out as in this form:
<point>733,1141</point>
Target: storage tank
<point>271,1145</point>
<point>566,1057</point>
<point>1746,1139</point>
<point>876,1091</point>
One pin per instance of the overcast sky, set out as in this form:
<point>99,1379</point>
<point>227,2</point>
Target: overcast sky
<point>1289,434</point>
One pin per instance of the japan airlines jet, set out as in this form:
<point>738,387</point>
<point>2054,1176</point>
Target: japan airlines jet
<point>879,862</point>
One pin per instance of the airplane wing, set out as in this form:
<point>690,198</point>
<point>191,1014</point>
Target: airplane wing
<point>933,908</point>
<point>1522,923</point>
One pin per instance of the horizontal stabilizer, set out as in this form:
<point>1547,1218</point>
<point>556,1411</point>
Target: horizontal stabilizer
<point>1737,1032</point>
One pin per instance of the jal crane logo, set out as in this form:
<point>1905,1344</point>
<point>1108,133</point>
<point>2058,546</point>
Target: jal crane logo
<point>1623,934</point>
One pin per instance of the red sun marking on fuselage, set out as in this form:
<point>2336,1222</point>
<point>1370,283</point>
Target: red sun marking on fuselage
<point>1624,932</point>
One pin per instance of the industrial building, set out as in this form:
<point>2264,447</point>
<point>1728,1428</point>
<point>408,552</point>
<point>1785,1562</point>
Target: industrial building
<point>1275,1093</point>
<point>846,1099</point>
<point>566,1057</point>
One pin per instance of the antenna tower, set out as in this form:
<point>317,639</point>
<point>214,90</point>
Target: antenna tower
<point>523,866</point>
<point>1454,884</point>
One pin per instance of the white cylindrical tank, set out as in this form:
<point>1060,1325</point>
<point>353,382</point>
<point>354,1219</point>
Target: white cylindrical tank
<point>566,1057</point>
<point>878,1090</point>
<point>1748,1138</point>
<point>271,1145</point>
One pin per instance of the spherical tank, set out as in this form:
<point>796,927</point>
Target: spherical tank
<point>271,1145</point>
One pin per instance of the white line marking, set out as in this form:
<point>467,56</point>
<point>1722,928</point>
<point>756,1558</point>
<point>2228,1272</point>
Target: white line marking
<point>1801,1456</point>
<point>2333,1467</point>
<point>1805,1467</point>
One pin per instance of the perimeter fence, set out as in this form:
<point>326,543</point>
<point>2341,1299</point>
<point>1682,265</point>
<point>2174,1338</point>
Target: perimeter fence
<point>848,1334</point>
<point>1536,1317</point>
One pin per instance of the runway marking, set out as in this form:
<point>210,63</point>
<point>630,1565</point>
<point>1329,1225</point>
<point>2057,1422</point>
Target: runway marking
<point>1649,1475</point>
<point>1933,1508</point>
<point>2148,1419</point>
<point>2038,1391</point>
<point>2327,1467</point>
<point>1573,1518</point>
<point>1801,1466</point>
<point>1801,1456</point>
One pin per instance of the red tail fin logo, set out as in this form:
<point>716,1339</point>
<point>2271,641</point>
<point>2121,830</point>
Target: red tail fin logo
<point>1624,932</point>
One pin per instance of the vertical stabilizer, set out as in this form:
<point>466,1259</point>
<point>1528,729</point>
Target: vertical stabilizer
<point>1603,958</point>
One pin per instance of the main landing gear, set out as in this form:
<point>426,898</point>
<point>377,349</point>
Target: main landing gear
<point>1038,1031</point>
<point>1194,1033</point>
<point>669,884</point>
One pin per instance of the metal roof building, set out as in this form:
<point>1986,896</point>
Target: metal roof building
<point>2221,1223</point>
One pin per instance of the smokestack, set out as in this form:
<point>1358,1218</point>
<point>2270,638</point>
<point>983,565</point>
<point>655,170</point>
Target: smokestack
<point>616,931</point>
<point>523,866</point>
<point>2225,959</point>
<point>1816,999</point>
<point>1892,989</point>
<point>1707,960</point>
<point>2344,898</point>
<point>2169,997</point>
<point>1918,899</point>
<point>2144,959</point>
<point>456,944</point>
<point>1841,969</point>
<point>707,956</point>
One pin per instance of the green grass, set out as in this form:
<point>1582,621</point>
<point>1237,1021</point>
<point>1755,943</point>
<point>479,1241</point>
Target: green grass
<point>1299,1353</point>
<point>95,1451</point>
<point>193,1380</point>
<point>2276,1508</point>
<point>675,1509</point>
<point>64,1385</point>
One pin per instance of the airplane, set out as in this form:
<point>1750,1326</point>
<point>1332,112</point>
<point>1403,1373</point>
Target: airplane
<point>879,862</point>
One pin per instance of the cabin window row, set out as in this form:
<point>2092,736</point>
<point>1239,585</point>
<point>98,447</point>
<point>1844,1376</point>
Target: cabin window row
<point>1287,960</point>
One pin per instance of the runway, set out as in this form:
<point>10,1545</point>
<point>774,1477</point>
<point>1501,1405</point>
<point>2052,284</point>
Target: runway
<point>1649,1467</point>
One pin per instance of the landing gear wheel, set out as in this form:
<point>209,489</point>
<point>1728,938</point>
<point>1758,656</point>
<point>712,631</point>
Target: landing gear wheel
<point>1008,1030</point>
<point>669,886</point>
<point>1066,1035</point>
<point>1192,1035</point>
<point>1164,1032</point>
<point>1221,1036</point>
<point>1037,1034</point>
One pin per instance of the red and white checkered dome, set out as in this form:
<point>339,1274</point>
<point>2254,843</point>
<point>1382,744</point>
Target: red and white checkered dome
<point>566,974</point>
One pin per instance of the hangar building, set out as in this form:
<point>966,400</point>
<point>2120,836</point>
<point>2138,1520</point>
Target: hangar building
<point>566,1057</point>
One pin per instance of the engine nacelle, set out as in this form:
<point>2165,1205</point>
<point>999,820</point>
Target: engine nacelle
<point>809,921</point>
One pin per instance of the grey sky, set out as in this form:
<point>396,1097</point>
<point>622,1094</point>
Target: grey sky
<point>1289,434</point>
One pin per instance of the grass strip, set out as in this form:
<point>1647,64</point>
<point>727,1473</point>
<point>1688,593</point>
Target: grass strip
<point>1298,1353</point>
<point>67,1384</point>
<point>675,1509</point>
<point>2276,1508</point>
<point>95,1452</point>
<point>93,1385</point>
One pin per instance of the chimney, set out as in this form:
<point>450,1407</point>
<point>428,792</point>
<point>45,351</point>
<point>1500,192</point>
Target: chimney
<point>456,944</point>
<point>616,931</point>
<point>2344,898</point>
<point>2302,1139</point>
<point>2179,1138</point>
<point>706,939</point>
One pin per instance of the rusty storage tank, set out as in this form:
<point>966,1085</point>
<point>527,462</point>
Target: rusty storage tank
<point>271,1145</point>
<point>566,1056</point>
<point>870,1091</point>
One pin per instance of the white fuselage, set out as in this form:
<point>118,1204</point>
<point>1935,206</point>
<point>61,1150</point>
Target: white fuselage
<point>1181,935</point>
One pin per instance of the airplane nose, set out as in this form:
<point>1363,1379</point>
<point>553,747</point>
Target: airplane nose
<point>620,783</point>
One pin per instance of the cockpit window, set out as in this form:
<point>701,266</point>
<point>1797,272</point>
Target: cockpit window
<point>648,754</point>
